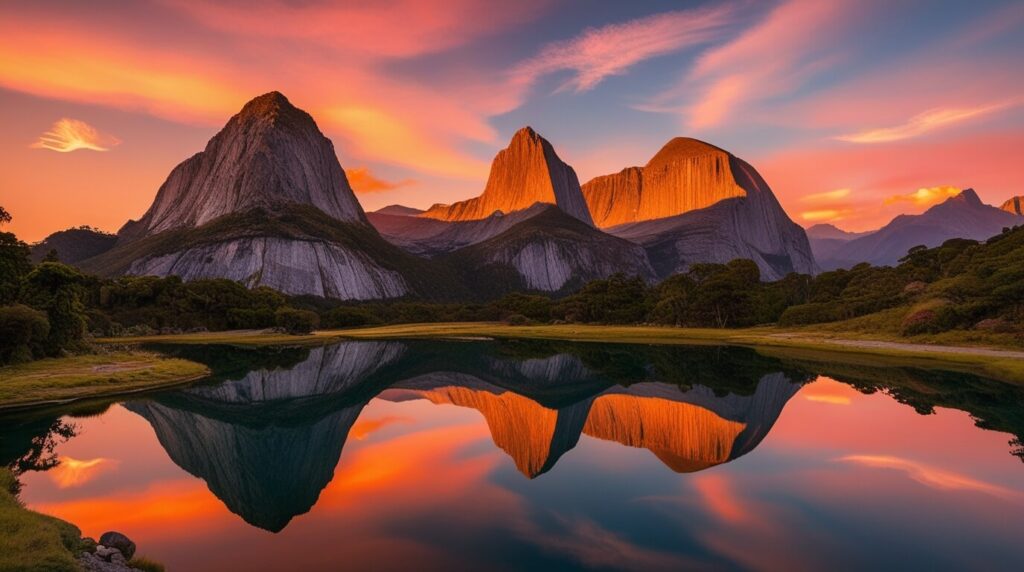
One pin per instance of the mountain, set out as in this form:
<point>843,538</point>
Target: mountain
<point>398,210</point>
<point>267,204</point>
<point>526,172</point>
<point>826,239</point>
<point>550,252</point>
<point>74,244</point>
<point>693,202</point>
<point>962,216</point>
<point>1015,205</point>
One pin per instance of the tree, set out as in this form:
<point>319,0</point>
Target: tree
<point>23,333</point>
<point>296,321</point>
<point>5,217</point>
<point>15,264</point>
<point>57,289</point>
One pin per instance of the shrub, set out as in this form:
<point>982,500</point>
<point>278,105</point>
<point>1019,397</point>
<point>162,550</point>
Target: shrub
<point>348,317</point>
<point>296,321</point>
<point>517,320</point>
<point>23,333</point>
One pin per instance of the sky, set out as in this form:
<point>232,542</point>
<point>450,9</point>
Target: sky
<point>854,111</point>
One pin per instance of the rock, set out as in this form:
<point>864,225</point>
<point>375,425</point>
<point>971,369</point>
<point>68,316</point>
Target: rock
<point>269,153</point>
<point>92,563</point>
<point>694,202</point>
<point>104,552</point>
<point>1015,205</point>
<point>526,172</point>
<point>119,542</point>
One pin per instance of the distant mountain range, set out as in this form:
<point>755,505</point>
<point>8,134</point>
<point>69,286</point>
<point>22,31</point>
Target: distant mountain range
<point>962,216</point>
<point>268,204</point>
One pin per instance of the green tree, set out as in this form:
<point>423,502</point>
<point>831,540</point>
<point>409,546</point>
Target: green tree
<point>57,289</point>
<point>296,321</point>
<point>23,333</point>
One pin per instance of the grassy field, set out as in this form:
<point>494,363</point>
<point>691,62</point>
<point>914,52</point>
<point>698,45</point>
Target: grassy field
<point>59,380</point>
<point>1000,361</point>
<point>33,541</point>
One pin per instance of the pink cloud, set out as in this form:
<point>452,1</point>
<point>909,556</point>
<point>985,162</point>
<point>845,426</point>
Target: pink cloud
<point>923,123</point>
<point>610,50</point>
<point>773,58</point>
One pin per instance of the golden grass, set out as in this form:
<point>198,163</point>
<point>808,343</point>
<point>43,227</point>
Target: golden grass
<point>66,379</point>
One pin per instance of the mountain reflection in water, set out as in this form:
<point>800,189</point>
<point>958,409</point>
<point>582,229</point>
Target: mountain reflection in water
<point>267,442</point>
<point>539,454</point>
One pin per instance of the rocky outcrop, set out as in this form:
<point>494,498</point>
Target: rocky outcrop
<point>268,154</point>
<point>962,216</point>
<point>266,204</point>
<point>528,171</point>
<point>685,175</point>
<point>1014,206</point>
<point>292,266</point>
<point>553,252</point>
<point>694,202</point>
<point>432,237</point>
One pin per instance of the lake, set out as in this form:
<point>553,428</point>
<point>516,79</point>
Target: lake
<point>500,455</point>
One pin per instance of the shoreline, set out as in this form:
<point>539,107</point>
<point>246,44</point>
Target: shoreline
<point>1001,363</point>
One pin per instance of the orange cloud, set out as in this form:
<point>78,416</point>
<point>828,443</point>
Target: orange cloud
<point>610,50</point>
<point>74,472</point>
<point>933,477</point>
<point>827,196</point>
<point>923,123</point>
<point>363,428</point>
<point>924,196</point>
<point>68,135</point>
<point>363,181</point>
<point>825,214</point>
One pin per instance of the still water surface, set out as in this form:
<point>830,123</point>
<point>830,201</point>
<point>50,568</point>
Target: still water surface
<point>486,455</point>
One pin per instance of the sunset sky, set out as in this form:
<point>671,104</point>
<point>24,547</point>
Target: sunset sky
<point>853,111</point>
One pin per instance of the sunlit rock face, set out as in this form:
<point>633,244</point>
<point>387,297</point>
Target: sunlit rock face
<point>526,172</point>
<point>1014,205</point>
<point>269,153</point>
<point>289,266</point>
<point>685,175</point>
<point>533,435</point>
<point>694,202</point>
<point>268,443</point>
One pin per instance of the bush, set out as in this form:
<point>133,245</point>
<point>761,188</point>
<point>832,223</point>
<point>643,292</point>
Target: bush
<point>349,317</point>
<point>23,333</point>
<point>296,321</point>
<point>517,320</point>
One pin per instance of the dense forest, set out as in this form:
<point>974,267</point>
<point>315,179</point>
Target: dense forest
<point>49,308</point>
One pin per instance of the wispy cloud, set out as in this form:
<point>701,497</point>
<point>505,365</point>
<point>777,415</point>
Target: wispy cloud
<point>924,196</point>
<point>826,196</point>
<point>933,477</point>
<point>825,214</point>
<point>364,181</point>
<point>71,472</point>
<point>69,135</point>
<point>610,50</point>
<point>923,123</point>
<point>776,56</point>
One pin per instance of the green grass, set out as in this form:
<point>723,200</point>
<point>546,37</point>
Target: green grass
<point>1004,364</point>
<point>78,377</point>
<point>31,541</point>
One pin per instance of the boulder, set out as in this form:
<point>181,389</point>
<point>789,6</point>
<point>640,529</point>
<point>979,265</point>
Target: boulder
<point>119,541</point>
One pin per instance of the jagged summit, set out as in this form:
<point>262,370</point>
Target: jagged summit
<point>526,172</point>
<point>968,196</point>
<point>271,153</point>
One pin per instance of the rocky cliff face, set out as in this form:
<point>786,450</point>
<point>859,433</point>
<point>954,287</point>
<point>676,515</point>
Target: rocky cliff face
<point>266,204</point>
<point>553,252</point>
<point>685,175</point>
<point>1014,206</point>
<point>268,154</point>
<point>694,202</point>
<point>962,216</point>
<point>526,172</point>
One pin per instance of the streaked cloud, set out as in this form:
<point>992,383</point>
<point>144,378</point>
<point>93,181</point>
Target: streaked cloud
<point>364,181</point>
<point>924,196</point>
<point>827,195</point>
<point>923,123</point>
<point>824,214</point>
<point>793,42</point>
<point>933,477</point>
<point>610,50</point>
<point>69,135</point>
